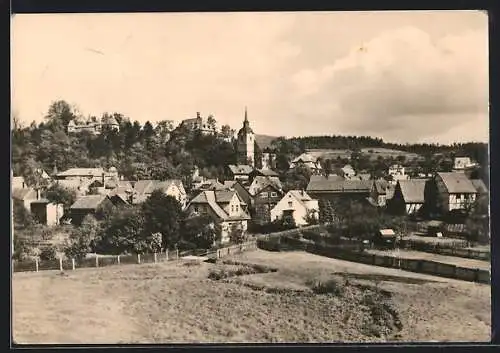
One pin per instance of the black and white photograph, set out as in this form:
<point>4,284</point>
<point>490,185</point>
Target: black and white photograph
<point>250,177</point>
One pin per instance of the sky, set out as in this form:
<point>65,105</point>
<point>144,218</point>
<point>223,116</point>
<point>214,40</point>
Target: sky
<point>401,76</point>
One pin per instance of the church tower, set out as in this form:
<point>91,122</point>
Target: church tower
<point>246,143</point>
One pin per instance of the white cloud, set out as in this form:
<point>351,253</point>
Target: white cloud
<point>401,80</point>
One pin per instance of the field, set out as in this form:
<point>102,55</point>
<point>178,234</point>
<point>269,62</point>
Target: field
<point>291,297</point>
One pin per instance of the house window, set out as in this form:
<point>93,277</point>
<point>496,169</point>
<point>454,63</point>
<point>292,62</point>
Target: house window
<point>274,194</point>
<point>232,208</point>
<point>290,203</point>
<point>263,195</point>
<point>237,208</point>
<point>196,209</point>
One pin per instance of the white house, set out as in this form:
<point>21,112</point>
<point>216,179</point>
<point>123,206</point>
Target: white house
<point>224,207</point>
<point>348,171</point>
<point>297,204</point>
<point>308,161</point>
<point>144,188</point>
<point>462,163</point>
<point>397,173</point>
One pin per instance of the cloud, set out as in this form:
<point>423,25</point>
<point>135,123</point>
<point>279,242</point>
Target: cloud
<point>402,84</point>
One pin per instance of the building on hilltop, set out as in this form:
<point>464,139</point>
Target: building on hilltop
<point>204,125</point>
<point>93,126</point>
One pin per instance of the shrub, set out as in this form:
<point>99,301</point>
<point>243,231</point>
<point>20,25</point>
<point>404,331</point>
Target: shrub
<point>48,253</point>
<point>327,287</point>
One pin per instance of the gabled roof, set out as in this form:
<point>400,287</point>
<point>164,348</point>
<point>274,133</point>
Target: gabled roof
<point>480,186</point>
<point>413,190</point>
<point>144,186</point>
<point>95,172</point>
<point>300,195</point>
<point>338,184</point>
<point>23,194</point>
<point>266,172</point>
<point>89,202</point>
<point>213,198</point>
<point>74,183</point>
<point>457,183</point>
<point>241,169</point>
<point>306,158</point>
<point>261,182</point>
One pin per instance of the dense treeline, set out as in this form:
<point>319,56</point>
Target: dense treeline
<point>160,152</point>
<point>137,151</point>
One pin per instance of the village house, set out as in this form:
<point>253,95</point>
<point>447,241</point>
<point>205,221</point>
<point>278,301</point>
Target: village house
<point>46,212</point>
<point>397,172</point>
<point>263,172</point>
<point>209,184</point>
<point>245,144</point>
<point>266,192</point>
<point>87,174</point>
<point>409,196</point>
<point>200,124</point>
<point>26,196</point>
<point>378,193</point>
<point>348,171</point>
<point>88,205</point>
<point>308,161</point>
<point>298,205</point>
<point>227,210</point>
<point>268,160</point>
<point>460,164</point>
<point>242,191</point>
<point>335,187</point>
<point>142,189</point>
<point>451,191</point>
<point>18,182</point>
<point>80,187</point>
<point>239,172</point>
<point>93,126</point>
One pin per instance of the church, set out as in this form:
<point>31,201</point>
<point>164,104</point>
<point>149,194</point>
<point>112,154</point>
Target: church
<point>247,146</point>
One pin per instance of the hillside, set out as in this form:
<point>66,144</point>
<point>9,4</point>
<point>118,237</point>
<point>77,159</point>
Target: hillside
<point>264,141</point>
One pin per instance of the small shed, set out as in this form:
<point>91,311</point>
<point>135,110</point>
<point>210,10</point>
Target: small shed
<point>434,227</point>
<point>386,238</point>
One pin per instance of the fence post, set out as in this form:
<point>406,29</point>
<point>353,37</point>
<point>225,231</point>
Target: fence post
<point>177,254</point>
<point>118,259</point>
<point>96,260</point>
<point>166,254</point>
<point>60,264</point>
<point>73,264</point>
<point>36,264</point>
<point>138,258</point>
<point>155,257</point>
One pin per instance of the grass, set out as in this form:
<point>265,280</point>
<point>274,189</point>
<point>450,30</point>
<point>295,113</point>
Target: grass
<point>275,301</point>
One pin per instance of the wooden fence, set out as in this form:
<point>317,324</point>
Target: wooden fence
<point>107,260</point>
<point>93,262</point>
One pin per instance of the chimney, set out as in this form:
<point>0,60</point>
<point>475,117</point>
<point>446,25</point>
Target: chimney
<point>38,194</point>
<point>198,114</point>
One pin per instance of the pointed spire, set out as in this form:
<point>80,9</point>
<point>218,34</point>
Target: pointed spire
<point>246,115</point>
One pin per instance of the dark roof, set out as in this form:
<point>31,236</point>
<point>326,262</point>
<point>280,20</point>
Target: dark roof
<point>240,169</point>
<point>90,202</point>
<point>213,198</point>
<point>413,190</point>
<point>337,184</point>
<point>480,186</point>
<point>265,172</point>
<point>457,183</point>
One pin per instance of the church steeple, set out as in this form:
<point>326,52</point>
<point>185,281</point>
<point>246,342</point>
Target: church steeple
<point>245,145</point>
<point>246,116</point>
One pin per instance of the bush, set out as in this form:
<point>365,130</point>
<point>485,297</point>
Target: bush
<point>327,287</point>
<point>48,253</point>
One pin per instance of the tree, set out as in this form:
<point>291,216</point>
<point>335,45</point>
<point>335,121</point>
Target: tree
<point>236,234</point>
<point>60,195</point>
<point>123,232</point>
<point>297,178</point>
<point>199,230</point>
<point>162,214</point>
<point>60,113</point>
<point>22,217</point>
<point>211,122</point>
<point>83,239</point>
<point>478,221</point>
<point>227,132</point>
